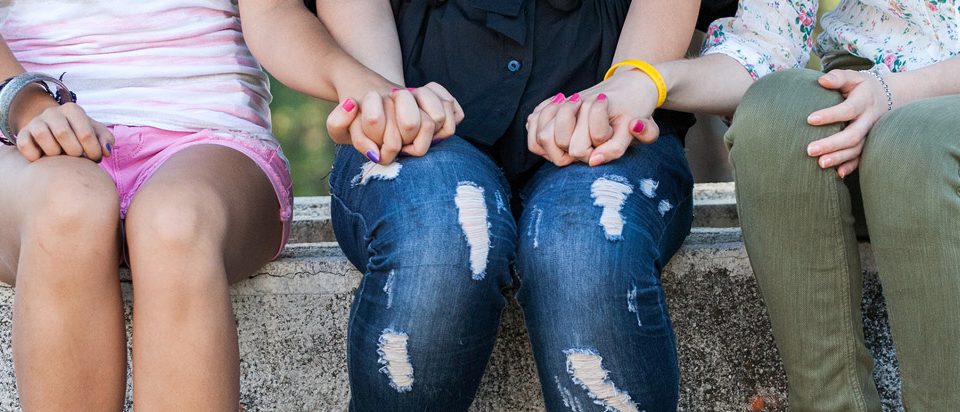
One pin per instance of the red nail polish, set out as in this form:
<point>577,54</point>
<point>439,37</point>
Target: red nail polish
<point>349,105</point>
<point>601,97</point>
<point>575,98</point>
<point>559,98</point>
<point>410,89</point>
<point>638,127</point>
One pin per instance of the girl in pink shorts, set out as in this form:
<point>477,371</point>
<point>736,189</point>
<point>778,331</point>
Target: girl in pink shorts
<point>165,160</point>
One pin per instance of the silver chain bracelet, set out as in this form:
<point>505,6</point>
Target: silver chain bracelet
<point>11,88</point>
<point>877,72</point>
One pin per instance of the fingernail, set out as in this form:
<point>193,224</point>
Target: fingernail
<point>373,156</point>
<point>394,90</point>
<point>575,98</point>
<point>813,119</point>
<point>597,160</point>
<point>813,150</point>
<point>435,141</point>
<point>559,98</point>
<point>841,173</point>
<point>109,149</point>
<point>349,105</point>
<point>825,162</point>
<point>638,127</point>
<point>601,97</point>
<point>410,89</point>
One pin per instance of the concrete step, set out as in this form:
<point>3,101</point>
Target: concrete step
<point>292,322</point>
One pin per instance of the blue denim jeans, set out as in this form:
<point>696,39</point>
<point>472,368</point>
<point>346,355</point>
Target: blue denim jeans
<point>441,249</point>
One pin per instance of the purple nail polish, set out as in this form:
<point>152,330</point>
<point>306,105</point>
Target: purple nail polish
<point>435,141</point>
<point>109,149</point>
<point>373,156</point>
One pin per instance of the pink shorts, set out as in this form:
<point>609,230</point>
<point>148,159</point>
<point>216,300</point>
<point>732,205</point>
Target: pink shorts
<point>140,151</point>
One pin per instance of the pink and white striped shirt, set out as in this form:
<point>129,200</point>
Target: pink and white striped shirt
<point>179,65</point>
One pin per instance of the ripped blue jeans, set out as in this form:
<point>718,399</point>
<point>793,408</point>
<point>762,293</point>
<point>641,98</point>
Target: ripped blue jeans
<point>435,237</point>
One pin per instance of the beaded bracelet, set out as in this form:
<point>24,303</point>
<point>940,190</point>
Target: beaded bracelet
<point>876,71</point>
<point>12,87</point>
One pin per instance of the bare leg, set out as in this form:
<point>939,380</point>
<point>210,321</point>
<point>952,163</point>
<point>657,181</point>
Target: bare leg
<point>59,247</point>
<point>207,218</point>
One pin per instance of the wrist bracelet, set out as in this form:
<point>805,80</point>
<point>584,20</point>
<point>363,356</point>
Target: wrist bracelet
<point>876,71</point>
<point>13,86</point>
<point>647,69</point>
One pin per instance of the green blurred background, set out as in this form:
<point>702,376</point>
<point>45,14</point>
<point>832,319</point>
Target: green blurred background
<point>298,121</point>
<point>299,124</point>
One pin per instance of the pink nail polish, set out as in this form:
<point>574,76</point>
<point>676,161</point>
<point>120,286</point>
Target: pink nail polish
<point>349,105</point>
<point>559,98</point>
<point>638,127</point>
<point>394,90</point>
<point>601,97</point>
<point>410,89</point>
<point>575,98</point>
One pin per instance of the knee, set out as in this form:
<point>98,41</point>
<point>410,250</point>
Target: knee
<point>470,236</point>
<point>178,221</point>
<point>772,116</point>
<point>69,199</point>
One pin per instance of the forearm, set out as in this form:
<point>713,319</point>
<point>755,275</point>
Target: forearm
<point>298,50</point>
<point>9,66</point>
<point>939,79</point>
<point>712,84</point>
<point>366,29</point>
<point>28,103</point>
<point>657,30</point>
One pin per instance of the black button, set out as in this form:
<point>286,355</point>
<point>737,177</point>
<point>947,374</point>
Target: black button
<point>513,66</point>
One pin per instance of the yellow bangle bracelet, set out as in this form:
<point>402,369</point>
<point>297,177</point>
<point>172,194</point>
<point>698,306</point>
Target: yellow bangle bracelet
<point>647,69</point>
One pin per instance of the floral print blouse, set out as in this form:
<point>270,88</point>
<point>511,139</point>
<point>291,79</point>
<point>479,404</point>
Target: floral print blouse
<point>770,35</point>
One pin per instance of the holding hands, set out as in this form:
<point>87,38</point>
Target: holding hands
<point>597,125</point>
<point>866,98</point>
<point>392,121</point>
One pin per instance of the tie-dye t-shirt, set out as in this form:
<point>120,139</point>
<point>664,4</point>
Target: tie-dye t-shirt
<point>179,65</point>
<point>770,35</point>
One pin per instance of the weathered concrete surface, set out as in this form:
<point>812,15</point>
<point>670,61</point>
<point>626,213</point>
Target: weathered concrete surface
<point>292,321</point>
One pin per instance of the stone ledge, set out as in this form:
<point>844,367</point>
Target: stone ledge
<point>292,322</point>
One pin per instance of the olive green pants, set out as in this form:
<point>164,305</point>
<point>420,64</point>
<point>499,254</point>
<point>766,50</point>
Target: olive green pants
<point>799,225</point>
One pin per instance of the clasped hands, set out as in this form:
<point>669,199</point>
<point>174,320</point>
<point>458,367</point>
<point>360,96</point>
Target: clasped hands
<point>594,126</point>
<point>395,120</point>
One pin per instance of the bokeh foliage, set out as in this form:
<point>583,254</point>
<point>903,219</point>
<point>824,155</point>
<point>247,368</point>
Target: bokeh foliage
<point>299,124</point>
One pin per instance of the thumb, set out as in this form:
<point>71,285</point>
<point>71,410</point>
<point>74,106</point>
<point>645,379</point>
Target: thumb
<point>842,80</point>
<point>645,130</point>
<point>340,119</point>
